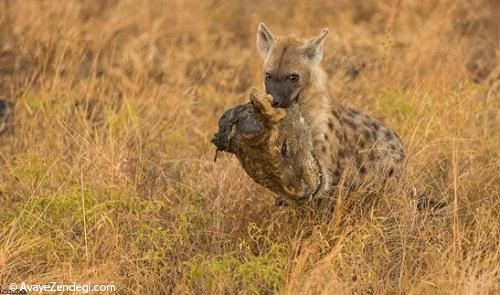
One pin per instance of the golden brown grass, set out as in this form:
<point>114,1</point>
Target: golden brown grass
<point>107,172</point>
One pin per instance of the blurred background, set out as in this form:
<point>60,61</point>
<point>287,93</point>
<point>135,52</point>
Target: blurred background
<point>107,175</point>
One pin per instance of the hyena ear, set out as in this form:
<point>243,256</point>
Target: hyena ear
<point>314,47</point>
<point>265,40</point>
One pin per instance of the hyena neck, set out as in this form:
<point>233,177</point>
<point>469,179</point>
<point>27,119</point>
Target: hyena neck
<point>315,101</point>
<point>315,106</point>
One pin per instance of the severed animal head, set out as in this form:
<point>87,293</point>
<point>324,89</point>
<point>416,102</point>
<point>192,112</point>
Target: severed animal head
<point>273,145</point>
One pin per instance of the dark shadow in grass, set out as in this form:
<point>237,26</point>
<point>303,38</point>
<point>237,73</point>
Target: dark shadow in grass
<point>5,113</point>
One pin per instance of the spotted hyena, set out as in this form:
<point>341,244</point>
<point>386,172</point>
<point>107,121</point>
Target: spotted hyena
<point>347,143</point>
<point>276,148</point>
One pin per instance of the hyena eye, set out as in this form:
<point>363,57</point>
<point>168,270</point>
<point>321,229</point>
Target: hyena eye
<point>268,76</point>
<point>293,77</point>
<point>284,149</point>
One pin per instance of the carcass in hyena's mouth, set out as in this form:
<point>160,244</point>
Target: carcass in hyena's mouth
<point>273,145</point>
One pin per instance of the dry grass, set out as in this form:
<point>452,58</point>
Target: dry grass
<point>107,173</point>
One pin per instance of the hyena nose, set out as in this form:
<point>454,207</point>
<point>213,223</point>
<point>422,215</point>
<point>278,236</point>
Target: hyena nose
<point>276,102</point>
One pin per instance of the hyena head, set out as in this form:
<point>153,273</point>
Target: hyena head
<point>291,65</point>
<point>273,145</point>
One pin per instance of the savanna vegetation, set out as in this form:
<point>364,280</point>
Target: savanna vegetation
<point>106,166</point>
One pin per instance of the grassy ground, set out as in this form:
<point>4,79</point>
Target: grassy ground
<point>107,171</point>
